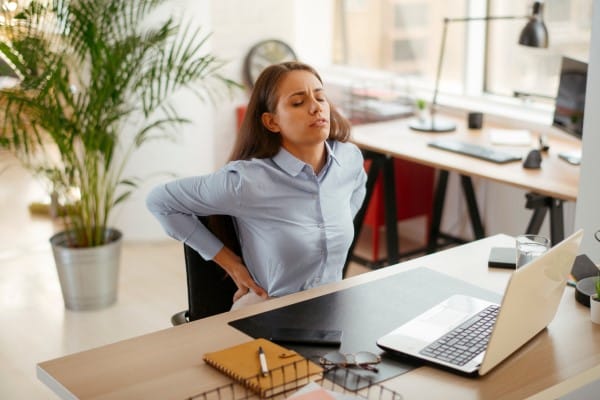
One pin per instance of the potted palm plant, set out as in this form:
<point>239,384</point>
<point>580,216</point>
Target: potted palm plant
<point>95,82</point>
<point>595,302</point>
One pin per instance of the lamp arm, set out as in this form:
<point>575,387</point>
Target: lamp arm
<point>438,72</point>
<point>534,35</point>
<point>486,18</point>
<point>443,47</point>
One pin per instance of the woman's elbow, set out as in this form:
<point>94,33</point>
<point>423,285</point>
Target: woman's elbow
<point>154,200</point>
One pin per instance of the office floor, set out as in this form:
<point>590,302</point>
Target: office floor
<point>34,323</point>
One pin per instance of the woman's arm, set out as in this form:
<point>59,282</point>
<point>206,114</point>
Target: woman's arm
<point>178,204</point>
<point>180,221</point>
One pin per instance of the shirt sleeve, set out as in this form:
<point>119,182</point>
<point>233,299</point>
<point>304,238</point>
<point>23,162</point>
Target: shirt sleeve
<point>177,204</point>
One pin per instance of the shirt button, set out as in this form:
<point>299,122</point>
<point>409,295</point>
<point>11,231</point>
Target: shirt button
<point>321,226</point>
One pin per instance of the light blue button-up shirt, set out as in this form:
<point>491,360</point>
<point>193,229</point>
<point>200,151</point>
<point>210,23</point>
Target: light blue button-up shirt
<point>295,227</point>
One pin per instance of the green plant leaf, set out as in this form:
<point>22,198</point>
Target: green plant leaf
<point>88,69</point>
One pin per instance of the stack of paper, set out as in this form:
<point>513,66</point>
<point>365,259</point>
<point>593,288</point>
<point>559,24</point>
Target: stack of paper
<point>511,137</point>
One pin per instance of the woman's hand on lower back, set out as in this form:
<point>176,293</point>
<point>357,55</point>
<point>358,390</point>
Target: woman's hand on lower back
<point>234,267</point>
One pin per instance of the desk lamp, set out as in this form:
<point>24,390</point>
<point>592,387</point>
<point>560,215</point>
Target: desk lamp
<point>534,34</point>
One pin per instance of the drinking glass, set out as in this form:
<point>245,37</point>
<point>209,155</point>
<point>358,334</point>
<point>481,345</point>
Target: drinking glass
<point>530,247</point>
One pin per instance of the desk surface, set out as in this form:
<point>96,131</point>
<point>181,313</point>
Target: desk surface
<point>168,364</point>
<point>556,178</point>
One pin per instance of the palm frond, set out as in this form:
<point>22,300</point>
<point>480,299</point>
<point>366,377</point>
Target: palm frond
<point>88,69</point>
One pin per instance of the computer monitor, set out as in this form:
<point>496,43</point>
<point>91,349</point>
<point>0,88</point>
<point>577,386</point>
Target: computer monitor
<point>570,102</point>
<point>570,99</point>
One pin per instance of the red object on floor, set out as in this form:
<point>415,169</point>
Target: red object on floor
<point>414,197</point>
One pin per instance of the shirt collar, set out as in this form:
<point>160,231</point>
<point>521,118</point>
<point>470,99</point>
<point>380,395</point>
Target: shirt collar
<point>294,166</point>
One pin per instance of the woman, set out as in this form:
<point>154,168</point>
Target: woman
<point>293,187</point>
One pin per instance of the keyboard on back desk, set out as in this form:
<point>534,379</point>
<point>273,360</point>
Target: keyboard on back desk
<point>474,150</point>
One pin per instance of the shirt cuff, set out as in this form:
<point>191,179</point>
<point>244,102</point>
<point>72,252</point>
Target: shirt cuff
<point>205,243</point>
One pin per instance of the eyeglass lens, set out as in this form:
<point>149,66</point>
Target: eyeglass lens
<point>361,359</point>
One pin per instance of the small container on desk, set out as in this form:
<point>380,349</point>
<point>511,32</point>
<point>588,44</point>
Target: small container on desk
<point>320,386</point>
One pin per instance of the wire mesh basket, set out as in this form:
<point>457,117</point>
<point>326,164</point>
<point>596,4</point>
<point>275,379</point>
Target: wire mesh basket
<point>330,384</point>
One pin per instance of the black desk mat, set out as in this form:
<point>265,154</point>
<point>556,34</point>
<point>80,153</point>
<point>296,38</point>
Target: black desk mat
<point>364,313</point>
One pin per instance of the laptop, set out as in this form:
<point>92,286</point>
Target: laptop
<point>471,335</point>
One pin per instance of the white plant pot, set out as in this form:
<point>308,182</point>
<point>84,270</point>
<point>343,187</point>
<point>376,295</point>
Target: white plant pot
<point>595,309</point>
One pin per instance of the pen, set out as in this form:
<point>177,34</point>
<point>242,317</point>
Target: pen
<point>263,361</point>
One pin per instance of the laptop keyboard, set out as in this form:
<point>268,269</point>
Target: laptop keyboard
<point>474,150</point>
<point>463,343</point>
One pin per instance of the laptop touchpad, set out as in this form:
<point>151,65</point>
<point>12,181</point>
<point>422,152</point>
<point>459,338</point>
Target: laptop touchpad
<point>433,324</point>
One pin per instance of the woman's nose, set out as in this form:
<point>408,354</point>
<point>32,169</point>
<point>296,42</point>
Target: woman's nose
<point>315,106</point>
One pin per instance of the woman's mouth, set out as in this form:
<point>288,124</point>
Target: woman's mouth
<point>319,123</point>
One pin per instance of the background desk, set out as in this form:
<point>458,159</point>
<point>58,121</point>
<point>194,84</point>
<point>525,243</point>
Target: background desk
<point>168,364</point>
<point>555,182</point>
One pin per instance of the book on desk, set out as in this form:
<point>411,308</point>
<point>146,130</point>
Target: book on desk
<point>286,369</point>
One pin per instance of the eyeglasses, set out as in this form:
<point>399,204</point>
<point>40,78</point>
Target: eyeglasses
<point>362,359</point>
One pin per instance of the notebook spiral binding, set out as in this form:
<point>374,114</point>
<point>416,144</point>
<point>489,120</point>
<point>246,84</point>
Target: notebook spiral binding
<point>337,383</point>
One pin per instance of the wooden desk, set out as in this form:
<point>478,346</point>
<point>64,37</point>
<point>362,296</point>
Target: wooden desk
<point>168,364</point>
<point>555,182</point>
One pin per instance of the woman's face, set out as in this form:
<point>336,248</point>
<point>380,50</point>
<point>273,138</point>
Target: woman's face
<point>302,112</point>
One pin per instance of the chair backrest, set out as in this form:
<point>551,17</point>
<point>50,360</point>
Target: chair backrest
<point>210,289</point>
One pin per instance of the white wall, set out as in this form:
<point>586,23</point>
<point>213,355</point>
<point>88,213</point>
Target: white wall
<point>588,200</point>
<point>191,153</point>
<point>313,39</point>
<point>237,26</point>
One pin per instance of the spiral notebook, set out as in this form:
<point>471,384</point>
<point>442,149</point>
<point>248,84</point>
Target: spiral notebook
<point>288,370</point>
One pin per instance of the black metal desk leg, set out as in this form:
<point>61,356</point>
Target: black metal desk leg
<point>535,223</point>
<point>391,221</point>
<point>467,185</point>
<point>557,227</point>
<point>539,204</point>
<point>438,208</point>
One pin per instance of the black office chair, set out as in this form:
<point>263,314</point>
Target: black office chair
<point>210,289</point>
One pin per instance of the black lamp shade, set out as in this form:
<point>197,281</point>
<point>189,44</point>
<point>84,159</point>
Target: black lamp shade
<point>535,33</point>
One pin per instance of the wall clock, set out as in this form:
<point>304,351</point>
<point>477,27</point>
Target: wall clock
<point>263,54</point>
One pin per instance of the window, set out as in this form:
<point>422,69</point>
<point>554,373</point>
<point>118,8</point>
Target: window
<point>403,37</point>
<point>535,71</point>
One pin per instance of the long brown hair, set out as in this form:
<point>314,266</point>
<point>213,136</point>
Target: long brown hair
<point>254,140</point>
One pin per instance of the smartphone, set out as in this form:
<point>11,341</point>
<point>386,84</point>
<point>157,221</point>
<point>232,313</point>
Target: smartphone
<point>503,257</point>
<point>320,337</point>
